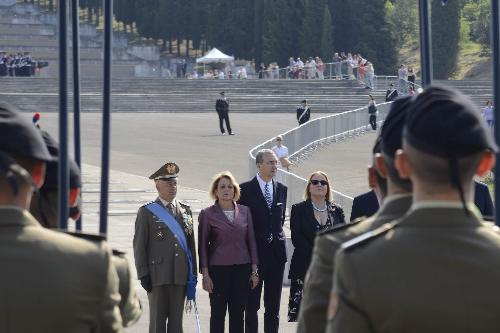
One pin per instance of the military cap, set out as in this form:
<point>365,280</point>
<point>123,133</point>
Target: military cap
<point>445,123</point>
<point>222,92</point>
<point>19,136</point>
<point>51,175</point>
<point>167,171</point>
<point>304,101</point>
<point>391,134</point>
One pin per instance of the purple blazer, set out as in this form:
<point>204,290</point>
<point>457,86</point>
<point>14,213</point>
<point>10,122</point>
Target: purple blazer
<point>222,242</point>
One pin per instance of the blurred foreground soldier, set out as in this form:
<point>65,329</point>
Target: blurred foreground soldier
<point>165,254</point>
<point>318,284</point>
<point>52,282</point>
<point>45,201</point>
<point>303,113</point>
<point>436,269</point>
<point>44,209</point>
<point>222,108</point>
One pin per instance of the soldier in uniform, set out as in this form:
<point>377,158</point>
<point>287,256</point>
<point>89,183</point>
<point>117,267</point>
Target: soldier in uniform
<point>50,282</point>
<point>435,269</point>
<point>162,263</point>
<point>44,208</point>
<point>312,316</point>
<point>222,108</point>
<point>303,112</point>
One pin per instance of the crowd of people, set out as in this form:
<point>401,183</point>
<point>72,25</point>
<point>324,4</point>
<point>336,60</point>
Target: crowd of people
<point>21,64</point>
<point>341,66</point>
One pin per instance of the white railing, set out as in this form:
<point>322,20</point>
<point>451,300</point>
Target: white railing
<point>311,136</point>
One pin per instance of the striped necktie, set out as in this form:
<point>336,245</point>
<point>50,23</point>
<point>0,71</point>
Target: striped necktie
<point>268,196</point>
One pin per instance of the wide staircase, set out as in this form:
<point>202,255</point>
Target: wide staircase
<point>163,95</point>
<point>29,28</point>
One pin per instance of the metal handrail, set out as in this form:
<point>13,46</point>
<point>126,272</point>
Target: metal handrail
<point>308,138</point>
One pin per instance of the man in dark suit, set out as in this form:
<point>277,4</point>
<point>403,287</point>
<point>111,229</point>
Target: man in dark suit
<point>266,199</point>
<point>482,199</point>
<point>365,204</point>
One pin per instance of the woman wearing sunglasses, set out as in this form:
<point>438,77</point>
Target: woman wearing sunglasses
<point>316,213</point>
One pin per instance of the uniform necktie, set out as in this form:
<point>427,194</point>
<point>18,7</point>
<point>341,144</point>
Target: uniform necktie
<point>268,196</point>
<point>170,208</point>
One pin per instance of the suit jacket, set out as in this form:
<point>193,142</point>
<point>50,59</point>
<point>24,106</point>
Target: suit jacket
<point>365,204</point>
<point>304,228</point>
<point>222,242</point>
<point>482,199</point>
<point>53,282</point>
<point>157,252</point>
<point>436,271</point>
<point>265,220</point>
<point>318,283</point>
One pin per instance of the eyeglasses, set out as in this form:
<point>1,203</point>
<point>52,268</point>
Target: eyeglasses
<point>317,182</point>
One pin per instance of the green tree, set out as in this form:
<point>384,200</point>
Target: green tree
<point>445,30</point>
<point>310,34</point>
<point>326,35</point>
<point>477,13</point>
<point>403,17</point>
<point>281,31</point>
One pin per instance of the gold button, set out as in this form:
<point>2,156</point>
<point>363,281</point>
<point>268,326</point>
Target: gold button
<point>175,244</point>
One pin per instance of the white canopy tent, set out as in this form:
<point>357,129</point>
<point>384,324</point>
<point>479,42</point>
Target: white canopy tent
<point>214,56</point>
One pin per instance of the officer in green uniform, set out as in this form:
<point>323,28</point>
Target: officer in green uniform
<point>162,265</point>
<point>50,281</point>
<point>312,316</point>
<point>435,269</point>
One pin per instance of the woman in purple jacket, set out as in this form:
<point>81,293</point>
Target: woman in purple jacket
<point>228,254</point>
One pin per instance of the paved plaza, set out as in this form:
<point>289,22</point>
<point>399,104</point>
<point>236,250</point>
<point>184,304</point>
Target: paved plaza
<point>141,143</point>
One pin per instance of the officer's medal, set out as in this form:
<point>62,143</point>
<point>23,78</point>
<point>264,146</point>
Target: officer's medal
<point>188,223</point>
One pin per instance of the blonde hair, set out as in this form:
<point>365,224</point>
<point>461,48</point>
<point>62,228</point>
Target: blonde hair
<point>215,184</point>
<point>328,195</point>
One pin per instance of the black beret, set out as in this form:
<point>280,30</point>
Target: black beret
<point>19,135</point>
<point>51,176</point>
<point>392,131</point>
<point>445,123</point>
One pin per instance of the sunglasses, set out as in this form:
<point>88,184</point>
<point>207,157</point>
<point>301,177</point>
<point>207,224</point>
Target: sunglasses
<point>317,182</point>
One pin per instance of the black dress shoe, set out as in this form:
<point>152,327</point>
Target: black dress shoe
<point>232,133</point>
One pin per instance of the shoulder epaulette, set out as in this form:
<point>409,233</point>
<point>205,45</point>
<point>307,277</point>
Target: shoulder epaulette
<point>342,226</point>
<point>148,203</point>
<point>89,237</point>
<point>369,235</point>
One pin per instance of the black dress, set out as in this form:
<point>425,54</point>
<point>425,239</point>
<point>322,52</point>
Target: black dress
<point>304,227</point>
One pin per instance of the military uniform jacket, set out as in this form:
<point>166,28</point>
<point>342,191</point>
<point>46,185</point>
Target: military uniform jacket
<point>436,271</point>
<point>318,283</point>
<point>53,282</point>
<point>156,250</point>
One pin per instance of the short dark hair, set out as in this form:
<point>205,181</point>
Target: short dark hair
<point>393,174</point>
<point>436,170</point>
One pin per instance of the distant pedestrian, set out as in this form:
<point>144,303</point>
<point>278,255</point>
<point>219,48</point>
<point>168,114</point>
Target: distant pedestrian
<point>488,113</point>
<point>411,77</point>
<point>391,93</point>
<point>222,108</point>
<point>372,111</point>
<point>402,79</point>
<point>303,113</point>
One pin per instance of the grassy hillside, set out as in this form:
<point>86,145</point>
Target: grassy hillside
<point>473,62</point>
